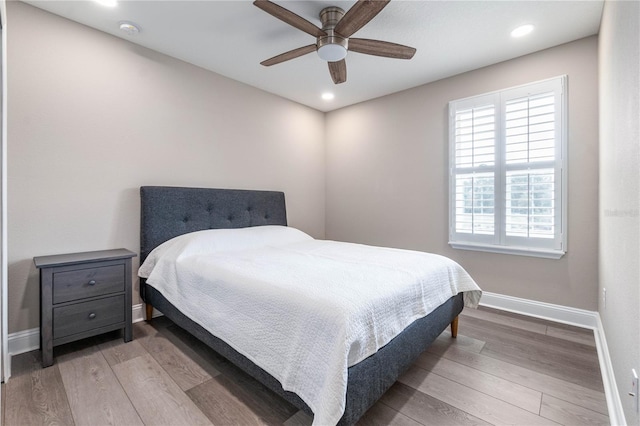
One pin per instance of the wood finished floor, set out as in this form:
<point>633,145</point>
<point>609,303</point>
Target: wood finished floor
<point>502,369</point>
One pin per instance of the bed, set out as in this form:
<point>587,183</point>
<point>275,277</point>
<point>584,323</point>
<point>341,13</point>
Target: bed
<point>169,214</point>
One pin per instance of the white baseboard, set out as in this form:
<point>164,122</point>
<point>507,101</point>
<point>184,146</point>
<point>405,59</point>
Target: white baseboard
<point>579,318</point>
<point>23,341</point>
<point>614,404</point>
<point>557,313</point>
<point>138,313</point>
<point>28,340</point>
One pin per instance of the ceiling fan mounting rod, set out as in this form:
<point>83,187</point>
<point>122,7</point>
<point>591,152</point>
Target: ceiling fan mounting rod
<point>329,16</point>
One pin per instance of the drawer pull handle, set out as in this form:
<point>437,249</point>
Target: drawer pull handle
<point>92,315</point>
<point>92,282</point>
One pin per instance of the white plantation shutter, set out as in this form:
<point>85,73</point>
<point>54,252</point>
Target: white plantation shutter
<point>475,161</point>
<point>507,162</point>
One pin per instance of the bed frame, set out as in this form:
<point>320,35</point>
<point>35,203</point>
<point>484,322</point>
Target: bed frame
<point>167,212</point>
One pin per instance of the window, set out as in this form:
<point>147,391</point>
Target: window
<point>508,170</point>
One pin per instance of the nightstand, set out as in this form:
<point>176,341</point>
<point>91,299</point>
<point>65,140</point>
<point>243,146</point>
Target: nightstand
<point>82,295</point>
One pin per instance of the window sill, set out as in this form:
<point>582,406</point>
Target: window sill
<point>519,251</point>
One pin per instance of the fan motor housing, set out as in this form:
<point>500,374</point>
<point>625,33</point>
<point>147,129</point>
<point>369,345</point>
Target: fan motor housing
<point>332,47</point>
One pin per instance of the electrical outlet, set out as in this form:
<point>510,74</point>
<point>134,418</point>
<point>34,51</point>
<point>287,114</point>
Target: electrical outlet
<point>634,389</point>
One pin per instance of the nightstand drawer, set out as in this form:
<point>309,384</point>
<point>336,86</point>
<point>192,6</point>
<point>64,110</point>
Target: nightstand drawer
<point>88,282</point>
<point>83,316</point>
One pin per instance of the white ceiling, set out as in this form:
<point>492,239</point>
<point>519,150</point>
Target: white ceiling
<point>232,38</point>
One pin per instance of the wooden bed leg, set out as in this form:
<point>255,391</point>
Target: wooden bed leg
<point>454,328</point>
<point>149,309</point>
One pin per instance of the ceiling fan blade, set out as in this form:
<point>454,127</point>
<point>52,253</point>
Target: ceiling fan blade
<point>381,48</point>
<point>338,71</point>
<point>358,16</point>
<point>289,17</point>
<point>289,55</point>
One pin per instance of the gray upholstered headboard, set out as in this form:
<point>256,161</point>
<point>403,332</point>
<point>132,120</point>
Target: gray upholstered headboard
<point>168,211</point>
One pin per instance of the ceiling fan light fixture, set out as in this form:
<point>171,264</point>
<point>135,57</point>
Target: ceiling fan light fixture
<point>332,52</point>
<point>332,48</point>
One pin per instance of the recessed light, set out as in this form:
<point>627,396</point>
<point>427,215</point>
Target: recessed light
<point>522,30</point>
<point>130,28</point>
<point>107,3</point>
<point>328,96</point>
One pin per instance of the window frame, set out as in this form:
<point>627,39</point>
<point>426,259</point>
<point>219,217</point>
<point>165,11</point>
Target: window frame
<point>499,241</point>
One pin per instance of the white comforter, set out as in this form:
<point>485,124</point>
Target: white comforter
<point>304,310</point>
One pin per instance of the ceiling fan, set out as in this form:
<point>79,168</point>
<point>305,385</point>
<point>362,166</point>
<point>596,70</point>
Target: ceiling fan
<point>334,39</point>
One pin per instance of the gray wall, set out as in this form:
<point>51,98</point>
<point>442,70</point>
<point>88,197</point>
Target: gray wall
<point>387,180</point>
<point>619,51</point>
<point>93,117</point>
